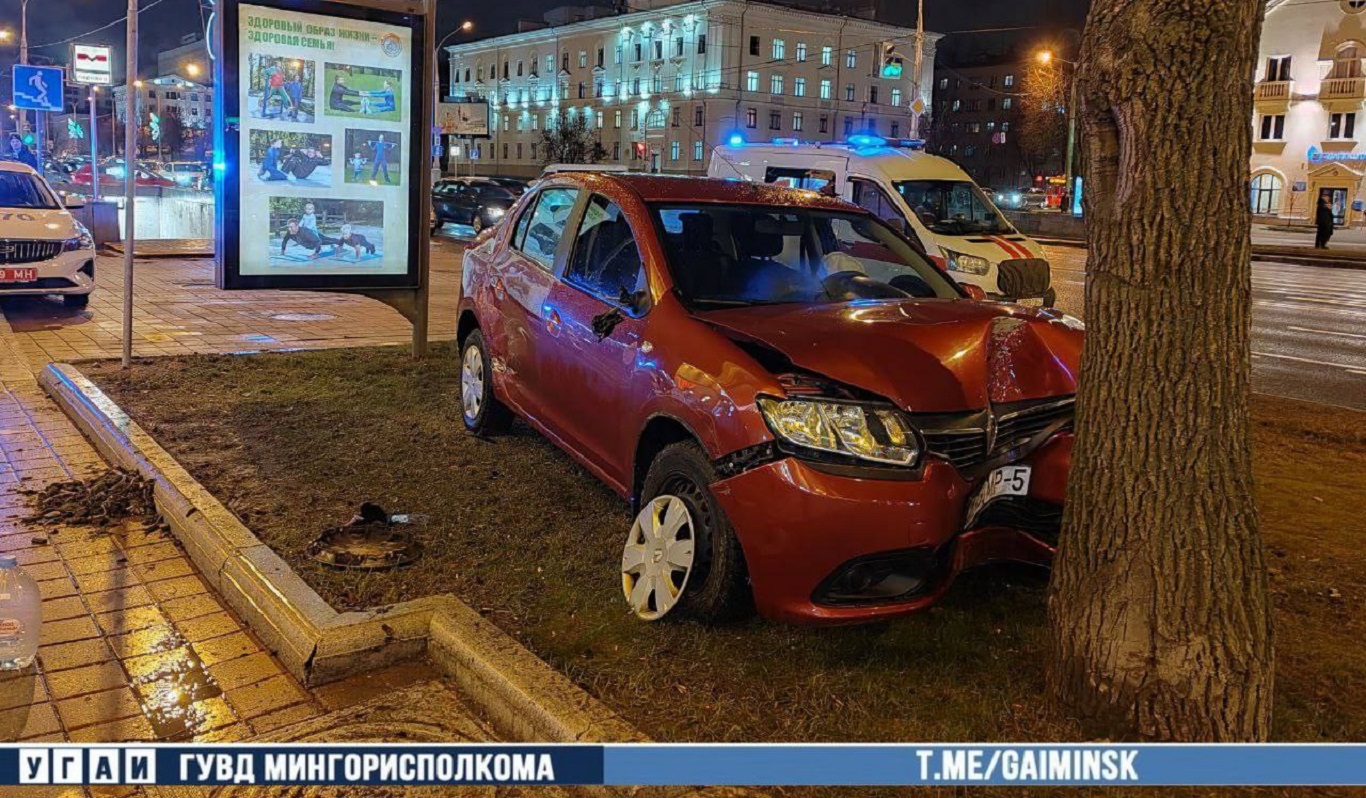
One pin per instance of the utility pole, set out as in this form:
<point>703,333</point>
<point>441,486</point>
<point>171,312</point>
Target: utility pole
<point>916,102</point>
<point>130,182</point>
<point>94,154</point>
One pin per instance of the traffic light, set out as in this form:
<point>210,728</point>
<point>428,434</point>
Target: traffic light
<point>891,62</point>
<point>74,129</point>
<point>29,139</point>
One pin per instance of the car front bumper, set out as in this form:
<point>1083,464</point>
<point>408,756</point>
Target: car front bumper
<point>802,529</point>
<point>67,273</point>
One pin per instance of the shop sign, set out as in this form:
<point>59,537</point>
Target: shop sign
<point>1319,156</point>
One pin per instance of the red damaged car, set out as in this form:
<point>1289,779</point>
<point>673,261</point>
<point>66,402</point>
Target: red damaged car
<point>801,409</point>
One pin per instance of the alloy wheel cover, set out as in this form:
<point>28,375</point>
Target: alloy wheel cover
<point>658,557</point>
<point>472,383</point>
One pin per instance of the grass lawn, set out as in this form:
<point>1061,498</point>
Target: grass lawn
<point>360,81</point>
<point>293,442</point>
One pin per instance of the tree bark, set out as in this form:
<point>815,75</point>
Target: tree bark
<point>1159,610</point>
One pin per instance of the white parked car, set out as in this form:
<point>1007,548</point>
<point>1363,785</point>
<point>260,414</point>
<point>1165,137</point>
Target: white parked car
<point>43,249</point>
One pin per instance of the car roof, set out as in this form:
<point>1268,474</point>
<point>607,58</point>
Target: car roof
<point>669,188</point>
<point>17,166</point>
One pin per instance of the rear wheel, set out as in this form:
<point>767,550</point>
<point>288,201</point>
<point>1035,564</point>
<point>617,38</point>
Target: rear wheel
<point>482,412</point>
<point>681,556</point>
<point>75,300</point>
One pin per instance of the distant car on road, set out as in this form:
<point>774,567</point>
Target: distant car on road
<point>801,408</point>
<point>477,202</point>
<point>187,174</point>
<point>1023,199</point>
<point>43,249</point>
<point>111,175</point>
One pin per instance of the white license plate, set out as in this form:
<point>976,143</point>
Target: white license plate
<point>18,275</point>
<point>1004,481</point>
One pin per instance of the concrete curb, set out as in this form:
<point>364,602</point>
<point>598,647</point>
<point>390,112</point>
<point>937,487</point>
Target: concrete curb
<point>523,696</point>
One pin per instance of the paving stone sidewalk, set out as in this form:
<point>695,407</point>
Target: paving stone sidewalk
<point>135,646</point>
<point>178,311</point>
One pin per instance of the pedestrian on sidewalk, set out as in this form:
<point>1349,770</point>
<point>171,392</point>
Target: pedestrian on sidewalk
<point>1323,220</point>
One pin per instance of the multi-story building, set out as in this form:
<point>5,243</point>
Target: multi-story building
<point>976,123</point>
<point>1308,125</point>
<point>193,102</point>
<point>673,79</point>
<point>190,59</point>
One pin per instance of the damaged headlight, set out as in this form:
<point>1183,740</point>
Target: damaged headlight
<point>971,264</point>
<point>876,434</point>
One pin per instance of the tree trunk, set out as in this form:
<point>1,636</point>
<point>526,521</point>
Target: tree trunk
<point>1159,611</point>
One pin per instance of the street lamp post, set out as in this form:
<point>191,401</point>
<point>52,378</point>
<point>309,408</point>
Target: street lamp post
<point>465,27</point>
<point>1047,57</point>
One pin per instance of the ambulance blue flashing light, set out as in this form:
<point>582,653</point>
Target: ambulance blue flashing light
<point>866,140</point>
<point>736,139</point>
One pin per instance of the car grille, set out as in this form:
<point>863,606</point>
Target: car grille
<point>1041,519</point>
<point>964,441</point>
<point>22,251</point>
<point>1023,277</point>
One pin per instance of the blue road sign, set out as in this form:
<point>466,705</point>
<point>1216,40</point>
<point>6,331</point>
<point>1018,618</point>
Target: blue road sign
<point>38,88</point>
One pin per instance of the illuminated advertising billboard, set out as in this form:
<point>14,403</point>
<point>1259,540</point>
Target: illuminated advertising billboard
<point>468,118</point>
<point>323,149</point>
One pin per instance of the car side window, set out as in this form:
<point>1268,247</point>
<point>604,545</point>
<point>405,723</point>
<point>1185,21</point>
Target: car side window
<point>540,228</point>
<point>606,261</point>
<point>868,195</point>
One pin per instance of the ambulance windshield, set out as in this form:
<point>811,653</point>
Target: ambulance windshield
<point>952,207</point>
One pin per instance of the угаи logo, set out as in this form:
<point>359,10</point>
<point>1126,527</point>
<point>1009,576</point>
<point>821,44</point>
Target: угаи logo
<point>391,45</point>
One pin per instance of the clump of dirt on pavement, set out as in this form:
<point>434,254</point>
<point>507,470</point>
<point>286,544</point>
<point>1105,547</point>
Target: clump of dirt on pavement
<point>116,496</point>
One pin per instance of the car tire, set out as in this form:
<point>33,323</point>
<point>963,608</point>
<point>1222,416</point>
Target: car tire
<point>718,588</point>
<point>481,411</point>
<point>75,300</point>
<point>478,223</point>
<point>437,224</point>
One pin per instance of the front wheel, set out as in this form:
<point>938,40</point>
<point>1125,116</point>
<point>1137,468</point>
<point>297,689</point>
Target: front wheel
<point>478,223</point>
<point>482,412</point>
<point>681,556</point>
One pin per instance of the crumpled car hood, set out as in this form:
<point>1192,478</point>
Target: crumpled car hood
<point>924,355</point>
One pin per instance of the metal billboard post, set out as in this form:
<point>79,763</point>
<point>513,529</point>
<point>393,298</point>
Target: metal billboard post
<point>130,182</point>
<point>94,154</point>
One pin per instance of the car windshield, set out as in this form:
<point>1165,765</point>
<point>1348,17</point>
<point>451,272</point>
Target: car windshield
<point>723,255</point>
<point>951,207</point>
<point>495,194</point>
<point>20,190</point>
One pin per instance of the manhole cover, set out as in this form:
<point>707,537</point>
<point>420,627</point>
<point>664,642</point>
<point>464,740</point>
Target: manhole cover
<point>371,541</point>
<point>303,317</point>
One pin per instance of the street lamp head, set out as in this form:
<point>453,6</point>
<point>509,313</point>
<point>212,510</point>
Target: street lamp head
<point>5,35</point>
<point>467,25</point>
<point>1045,56</point>
<point>192,68</point>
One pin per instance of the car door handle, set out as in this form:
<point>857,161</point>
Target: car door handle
<point>552,320</point>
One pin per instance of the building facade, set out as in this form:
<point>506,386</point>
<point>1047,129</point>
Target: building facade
<point>661,86</point>
<point>190,59</point>
<point>976,123</point>
<point>193,102</point>
<point>1309,121</point>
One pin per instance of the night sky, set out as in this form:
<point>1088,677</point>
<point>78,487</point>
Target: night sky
<point>163,25</point>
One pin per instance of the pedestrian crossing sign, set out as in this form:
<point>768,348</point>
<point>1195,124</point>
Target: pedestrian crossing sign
<point>38,88</point>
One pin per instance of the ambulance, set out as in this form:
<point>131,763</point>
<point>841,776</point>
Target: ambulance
<point>927,197</point>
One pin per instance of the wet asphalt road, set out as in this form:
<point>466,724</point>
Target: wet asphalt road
<point>1308,326</point>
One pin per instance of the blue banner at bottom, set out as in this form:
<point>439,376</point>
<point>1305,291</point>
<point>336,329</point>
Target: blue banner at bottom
<point>909,764</point>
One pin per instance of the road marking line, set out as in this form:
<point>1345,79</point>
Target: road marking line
<point>1326,332</point>
<point>1342,366</point>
